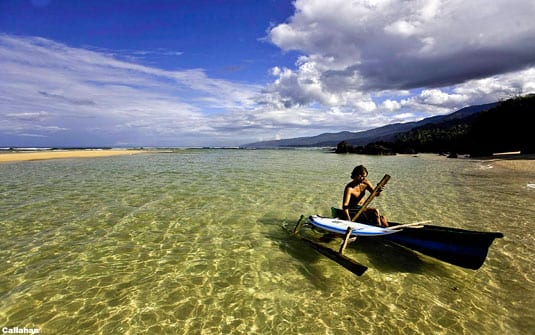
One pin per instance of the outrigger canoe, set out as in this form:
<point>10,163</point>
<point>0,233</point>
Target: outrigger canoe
<point>461,247</point>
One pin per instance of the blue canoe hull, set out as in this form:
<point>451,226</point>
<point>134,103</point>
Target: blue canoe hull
<point>464,248</point>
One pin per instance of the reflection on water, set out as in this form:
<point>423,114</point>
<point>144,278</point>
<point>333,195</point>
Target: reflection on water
<point>191,243</point>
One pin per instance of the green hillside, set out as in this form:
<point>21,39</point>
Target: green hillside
<point>502,128</point>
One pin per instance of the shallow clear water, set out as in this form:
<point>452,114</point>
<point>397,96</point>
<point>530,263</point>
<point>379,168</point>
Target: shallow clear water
<point>190,242</point>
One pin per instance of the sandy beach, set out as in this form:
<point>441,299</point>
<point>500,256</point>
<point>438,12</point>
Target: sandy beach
<point>55,154</point>
<point>514,162</point>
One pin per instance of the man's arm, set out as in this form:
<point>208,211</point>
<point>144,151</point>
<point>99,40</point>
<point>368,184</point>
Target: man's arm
<point>345,203</point>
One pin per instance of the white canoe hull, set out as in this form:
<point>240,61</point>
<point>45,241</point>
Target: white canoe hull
<point>340,227</point>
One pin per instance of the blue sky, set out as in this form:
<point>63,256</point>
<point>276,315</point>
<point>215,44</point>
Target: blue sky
<point>225,73</point>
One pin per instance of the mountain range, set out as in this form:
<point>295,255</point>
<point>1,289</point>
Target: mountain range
<point>384,133</point>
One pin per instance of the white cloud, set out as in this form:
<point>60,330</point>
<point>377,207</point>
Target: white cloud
<point>56,95</point>
<point>402,28</point>
<point>88,92</point>
<point>353,51</point>
<point>391,105</point>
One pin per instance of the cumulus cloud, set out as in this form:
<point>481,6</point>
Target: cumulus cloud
<point>354,51</point>
<point>52,94</point>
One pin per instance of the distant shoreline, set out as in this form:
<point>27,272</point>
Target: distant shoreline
<point>22,155</point>
<point>511,161</point>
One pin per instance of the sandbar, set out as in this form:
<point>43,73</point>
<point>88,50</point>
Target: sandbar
<point>514,162</point>
<point>7,157</point>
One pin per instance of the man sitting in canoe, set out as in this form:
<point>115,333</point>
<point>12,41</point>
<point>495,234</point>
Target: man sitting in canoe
<point>354,196</point>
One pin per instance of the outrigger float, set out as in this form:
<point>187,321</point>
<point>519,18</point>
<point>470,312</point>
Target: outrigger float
<point>460,247</point>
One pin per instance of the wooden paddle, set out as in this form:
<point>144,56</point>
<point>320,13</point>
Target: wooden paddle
<point>338,257</point>
<point>409,225</point>
<point>376,191</point>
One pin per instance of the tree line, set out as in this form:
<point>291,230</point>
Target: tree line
<point>506,127</point>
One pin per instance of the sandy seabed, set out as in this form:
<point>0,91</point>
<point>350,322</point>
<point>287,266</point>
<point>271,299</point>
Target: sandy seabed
<point>55,154</point>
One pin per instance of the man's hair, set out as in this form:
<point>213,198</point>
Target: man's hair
<point>359,171</point>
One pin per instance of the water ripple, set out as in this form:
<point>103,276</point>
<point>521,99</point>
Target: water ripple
<point>191,243</point>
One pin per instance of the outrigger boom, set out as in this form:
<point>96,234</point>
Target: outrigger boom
<point>339,256</point>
